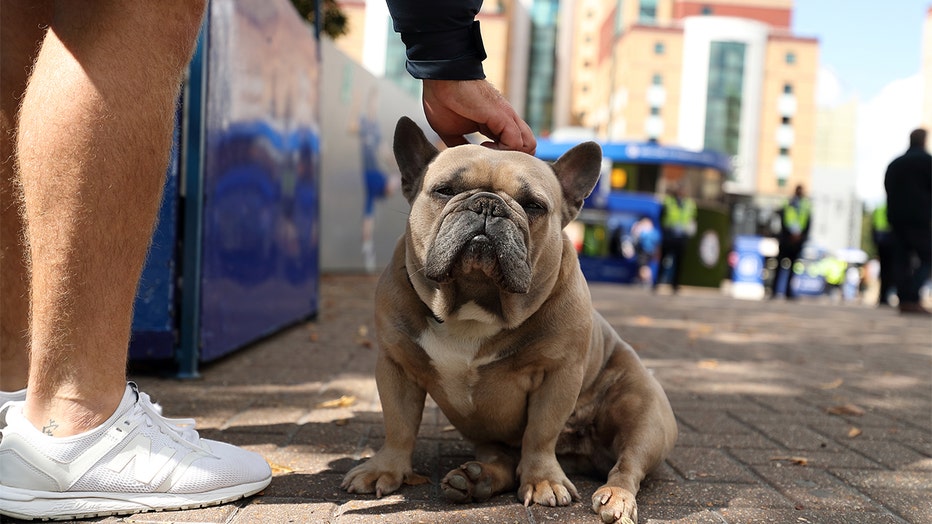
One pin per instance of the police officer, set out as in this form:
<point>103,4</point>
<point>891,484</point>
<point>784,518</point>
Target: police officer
<point>884,242</point>
<point>678,223</point>
<point>795,219</point>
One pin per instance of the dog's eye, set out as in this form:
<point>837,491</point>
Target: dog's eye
<point>533,206</point>
<point>444,191</point>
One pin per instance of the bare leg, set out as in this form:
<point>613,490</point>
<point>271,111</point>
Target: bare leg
<point>22,26</point>
<point>94,136</point>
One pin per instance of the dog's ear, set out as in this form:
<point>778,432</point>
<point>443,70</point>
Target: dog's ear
<point>412,152</point>
<point>578,171</point>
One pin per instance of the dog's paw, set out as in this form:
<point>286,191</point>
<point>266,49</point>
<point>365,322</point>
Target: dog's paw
<point>548,492</point>
<point>374,476</point>
<point>615,504</point>
<point>471,482</point>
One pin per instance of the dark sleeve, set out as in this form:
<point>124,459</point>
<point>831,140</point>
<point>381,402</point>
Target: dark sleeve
<point>441,36</point>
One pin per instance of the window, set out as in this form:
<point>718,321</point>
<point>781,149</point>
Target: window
<point>647,12</point>
<point>619,17</point>
<point>788,89</point>
<point>786,120</point>
<point>784,151</point>
<point>724,97</point>
<point>657,79</point>
<point>790,58</point>
<point>659,48</point>
<point>655,111</point>
<point>706,10</point>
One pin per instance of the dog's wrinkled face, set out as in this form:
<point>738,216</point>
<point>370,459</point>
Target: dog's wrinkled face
<point>489,217</point>
<point>482,206</point>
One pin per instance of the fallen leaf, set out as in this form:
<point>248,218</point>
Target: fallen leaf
<point>833,384</point>
<point>413,479</point>
<point>854,432</point>
<point>342,402</point>
<point>643,321</point>
<point>278,469</point>
<point>448,428</point>
<point>845,409</point>
<point>708,364</point>
<point>340,422</point>
<point>363,331</point>
<point>799,461</point>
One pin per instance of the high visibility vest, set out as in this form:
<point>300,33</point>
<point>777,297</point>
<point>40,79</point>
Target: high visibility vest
<point>879,218</point>
<point>676,216</point>
<point>834,270</point>
<point>797,219</point>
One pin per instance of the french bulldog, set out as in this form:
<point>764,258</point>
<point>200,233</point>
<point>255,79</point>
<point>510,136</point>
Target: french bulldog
<point>484,307</point>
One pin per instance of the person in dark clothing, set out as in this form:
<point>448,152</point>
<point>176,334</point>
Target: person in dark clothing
<point>908,182</point>
<point>883,241</point>
<point>795,219</point>
<point>444,49</point>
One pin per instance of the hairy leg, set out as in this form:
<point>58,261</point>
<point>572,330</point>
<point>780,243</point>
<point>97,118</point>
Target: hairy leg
<point>22,26</point>
<point>94,136</point>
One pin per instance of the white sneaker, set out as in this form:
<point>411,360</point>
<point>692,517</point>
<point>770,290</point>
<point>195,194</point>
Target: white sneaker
<point>136,461</point>
<point>12,396</point>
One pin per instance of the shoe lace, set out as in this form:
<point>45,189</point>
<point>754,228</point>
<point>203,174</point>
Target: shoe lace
<point>183,427</point>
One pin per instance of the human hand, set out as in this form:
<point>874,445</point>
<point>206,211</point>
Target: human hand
<point>455,108</point>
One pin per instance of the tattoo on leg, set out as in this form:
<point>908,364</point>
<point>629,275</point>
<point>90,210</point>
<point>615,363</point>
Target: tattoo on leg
<point>50,428</point>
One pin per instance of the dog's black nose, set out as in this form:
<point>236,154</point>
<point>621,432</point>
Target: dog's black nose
<point>488,204</point>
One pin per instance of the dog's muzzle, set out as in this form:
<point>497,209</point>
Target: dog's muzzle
<point>481,234</point>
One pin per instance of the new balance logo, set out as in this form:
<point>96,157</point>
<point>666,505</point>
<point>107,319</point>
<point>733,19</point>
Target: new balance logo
<point>146,465</point>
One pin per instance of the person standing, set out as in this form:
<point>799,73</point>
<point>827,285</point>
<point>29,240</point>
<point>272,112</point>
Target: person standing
<point>908,182</point>
<point>795,219</point>
<point>89,93</point>
<point>678,223</point>
<point>883,241</point>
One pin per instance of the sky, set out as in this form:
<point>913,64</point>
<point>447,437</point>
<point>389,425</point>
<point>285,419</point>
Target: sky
<point>869,50</point>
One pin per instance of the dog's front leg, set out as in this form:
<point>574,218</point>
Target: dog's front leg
<point>541,479</point>
<point>402,408</point>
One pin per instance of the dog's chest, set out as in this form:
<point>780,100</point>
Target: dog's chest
<point>453,348</point>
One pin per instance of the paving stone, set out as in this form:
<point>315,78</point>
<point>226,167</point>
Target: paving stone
<point>217,514</point>
<point>285,511</point>
<point>708,464</point>
<point>815,489</point>
<point>915,506</point>
<point>770,516</point>
<point>891,454</point>
<point>813,458</point>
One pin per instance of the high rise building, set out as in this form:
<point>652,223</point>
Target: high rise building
<point>372,41</point>
<point>927,71</point>
<point>726,75</point>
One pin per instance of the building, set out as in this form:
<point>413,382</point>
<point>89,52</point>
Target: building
<point>371,41</point>
<point>722,75</point>
<point>927,71</point>
<point>725,75</point>
<point>836,208</point>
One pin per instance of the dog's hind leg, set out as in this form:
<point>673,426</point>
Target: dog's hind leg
<point>491,473</point>
<point>636,423</point>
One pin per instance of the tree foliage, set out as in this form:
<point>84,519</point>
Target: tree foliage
<point>334,20</point>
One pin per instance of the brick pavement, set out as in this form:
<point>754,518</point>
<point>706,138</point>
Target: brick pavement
<point>801,412</point>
